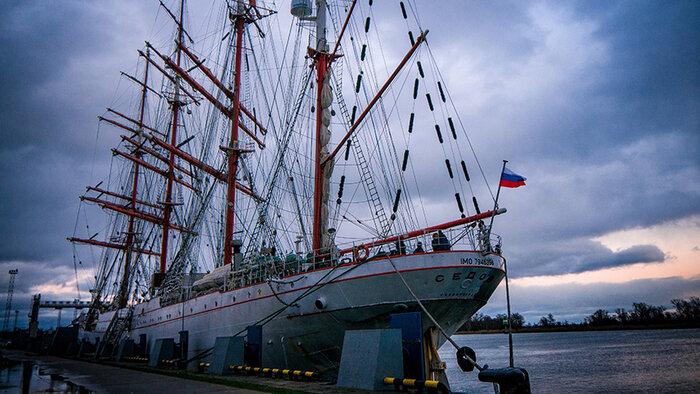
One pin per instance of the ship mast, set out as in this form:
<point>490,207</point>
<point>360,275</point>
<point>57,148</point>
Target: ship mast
<point>168,204</point>
<point>233,150</point>
<point>324,97</point>
<point>242,15</point>
<point>324,160</point>
<point>122,295</point>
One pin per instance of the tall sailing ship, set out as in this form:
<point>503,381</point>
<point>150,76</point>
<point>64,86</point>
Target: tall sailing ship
<point>269,174</point>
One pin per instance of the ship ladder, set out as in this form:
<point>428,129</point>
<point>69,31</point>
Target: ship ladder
<point>116,328</point>
<point>378,212</point>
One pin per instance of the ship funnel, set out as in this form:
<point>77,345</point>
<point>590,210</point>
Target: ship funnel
<point>301,8</point>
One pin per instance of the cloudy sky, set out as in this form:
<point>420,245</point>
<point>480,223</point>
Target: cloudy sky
<point>596,103</point>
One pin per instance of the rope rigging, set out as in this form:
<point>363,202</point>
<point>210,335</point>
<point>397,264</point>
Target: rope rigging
<point>387,151</point>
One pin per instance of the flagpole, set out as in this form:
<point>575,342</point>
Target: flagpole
<point>505,269</point>
<point>495,204</point>
<point>510,328</point>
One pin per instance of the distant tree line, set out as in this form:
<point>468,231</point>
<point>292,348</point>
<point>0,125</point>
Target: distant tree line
<point>687,312</point>
<point>480,322</point>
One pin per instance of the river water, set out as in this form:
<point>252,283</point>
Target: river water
<point>651,361</point>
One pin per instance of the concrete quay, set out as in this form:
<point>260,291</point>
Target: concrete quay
<point>112,377</point>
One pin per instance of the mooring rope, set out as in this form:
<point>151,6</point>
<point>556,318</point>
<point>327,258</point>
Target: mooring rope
<point>313,288</point>
<point>430,316</point>
<point>269,283</point>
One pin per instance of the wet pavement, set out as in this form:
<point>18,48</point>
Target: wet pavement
<point>47,374</point>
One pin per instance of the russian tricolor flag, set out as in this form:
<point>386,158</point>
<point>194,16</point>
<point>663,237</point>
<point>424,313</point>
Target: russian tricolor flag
<point>511,179</point>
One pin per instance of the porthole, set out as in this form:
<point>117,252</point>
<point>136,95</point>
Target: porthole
<point>234,298</point>
<point>216,303</point>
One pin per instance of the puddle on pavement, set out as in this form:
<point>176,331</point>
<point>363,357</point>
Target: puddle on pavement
<point>29,377</point>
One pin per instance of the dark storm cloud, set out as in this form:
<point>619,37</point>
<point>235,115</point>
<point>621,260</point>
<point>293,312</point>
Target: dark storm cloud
<point>641,186</point>
<point>576,256</point>
<point>640,78</point>
<point>58,69</point>
<point>36,210</point>
<point>656,59</point>
<point>41,43</point>
<point>57,75</point>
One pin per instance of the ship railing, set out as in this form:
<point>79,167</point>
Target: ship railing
<point>456,239</point>
<point>259,268</point>
<point>443,235</point>
<point>474,237</point>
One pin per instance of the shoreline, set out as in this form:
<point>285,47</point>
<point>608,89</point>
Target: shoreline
<point>634,327</point>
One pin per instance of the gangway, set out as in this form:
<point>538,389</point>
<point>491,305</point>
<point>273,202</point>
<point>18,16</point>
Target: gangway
<point>59,305</point>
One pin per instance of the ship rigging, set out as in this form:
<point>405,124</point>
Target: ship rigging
<point>219,202</point>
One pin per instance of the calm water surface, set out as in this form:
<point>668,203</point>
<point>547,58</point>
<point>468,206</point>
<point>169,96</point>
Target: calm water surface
<point>588,362</point>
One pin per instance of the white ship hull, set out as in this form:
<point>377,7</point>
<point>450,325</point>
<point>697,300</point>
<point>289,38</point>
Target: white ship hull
<point>452,285</point>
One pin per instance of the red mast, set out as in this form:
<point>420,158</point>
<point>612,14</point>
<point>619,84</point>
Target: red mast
<point>233,150</point>
<point>168,204</point>
<point>241,16</point>
<point>323,158</point>
<point>123,286</point>
<point>322,163</point>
